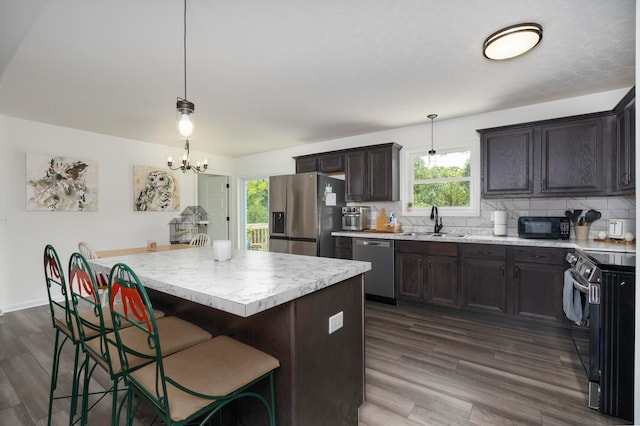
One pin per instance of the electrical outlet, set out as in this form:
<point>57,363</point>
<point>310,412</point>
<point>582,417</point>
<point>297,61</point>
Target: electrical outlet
<point>335,322</point>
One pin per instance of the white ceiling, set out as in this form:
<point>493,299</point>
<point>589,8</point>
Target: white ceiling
<point>272,74</point>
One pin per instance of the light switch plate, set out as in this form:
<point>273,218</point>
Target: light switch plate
<point>335,322</point>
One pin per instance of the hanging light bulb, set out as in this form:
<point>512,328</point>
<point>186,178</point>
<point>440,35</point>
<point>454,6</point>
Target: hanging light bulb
<point>432,152</point>
<point>185,124</point>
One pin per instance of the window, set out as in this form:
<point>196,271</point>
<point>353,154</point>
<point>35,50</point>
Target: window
<point>256,197</point>
<point>446,180</point>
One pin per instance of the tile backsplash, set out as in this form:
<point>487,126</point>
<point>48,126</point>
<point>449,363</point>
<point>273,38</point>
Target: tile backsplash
<point>610,207</point>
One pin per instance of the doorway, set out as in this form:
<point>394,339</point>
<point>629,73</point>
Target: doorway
<point>213,196</point>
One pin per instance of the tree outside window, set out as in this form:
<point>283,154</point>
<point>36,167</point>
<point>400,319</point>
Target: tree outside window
<point>443,180</point>
<point>257,214</point>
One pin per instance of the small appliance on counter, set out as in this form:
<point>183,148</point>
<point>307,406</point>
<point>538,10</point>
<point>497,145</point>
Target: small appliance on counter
<point>500,223</point>
<point>618,228</point>
<point>355,218</point>
<point>544,227</point>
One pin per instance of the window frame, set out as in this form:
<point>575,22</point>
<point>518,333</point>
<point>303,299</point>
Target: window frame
<point>473,210</point>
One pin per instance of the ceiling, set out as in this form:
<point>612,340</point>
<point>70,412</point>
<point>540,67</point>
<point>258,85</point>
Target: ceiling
<point>272,74</point>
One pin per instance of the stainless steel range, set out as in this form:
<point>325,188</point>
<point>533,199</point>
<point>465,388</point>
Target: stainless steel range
<point>606,281</point>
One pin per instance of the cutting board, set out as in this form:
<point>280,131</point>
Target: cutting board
<point>382,221</point>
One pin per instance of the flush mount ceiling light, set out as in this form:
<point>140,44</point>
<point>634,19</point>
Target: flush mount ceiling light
<point>512,41</point>
<point>185,109</point>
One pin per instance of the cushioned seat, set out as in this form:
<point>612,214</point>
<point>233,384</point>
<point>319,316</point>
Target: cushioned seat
<point>219,366</point>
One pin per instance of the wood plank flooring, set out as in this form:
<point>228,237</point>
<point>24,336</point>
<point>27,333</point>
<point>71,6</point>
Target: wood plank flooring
<point>422,368</point>
<point>425,367</point>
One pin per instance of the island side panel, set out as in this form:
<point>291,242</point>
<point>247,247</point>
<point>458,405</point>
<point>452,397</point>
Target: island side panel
<point>329,375</point>
<point>270,331</point>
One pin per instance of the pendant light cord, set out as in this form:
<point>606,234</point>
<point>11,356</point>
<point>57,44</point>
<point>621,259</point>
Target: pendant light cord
<point>185,49</point>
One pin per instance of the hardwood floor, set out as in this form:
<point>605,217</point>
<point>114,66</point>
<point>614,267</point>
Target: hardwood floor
<point>425,367</point>
<point>422,368</point>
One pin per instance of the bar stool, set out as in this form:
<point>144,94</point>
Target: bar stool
<point>191,384</point>
<point>65,326</point>
<point>92,320</point>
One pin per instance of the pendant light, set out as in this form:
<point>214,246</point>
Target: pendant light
<point>185,109</point>
<point>432,152</point>
<point>512,41</point>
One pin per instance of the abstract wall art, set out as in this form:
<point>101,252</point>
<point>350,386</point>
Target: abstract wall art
<point>155,189</point>
<point>57,183</point>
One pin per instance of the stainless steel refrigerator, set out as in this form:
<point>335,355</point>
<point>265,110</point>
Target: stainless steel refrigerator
<point>303,211</point>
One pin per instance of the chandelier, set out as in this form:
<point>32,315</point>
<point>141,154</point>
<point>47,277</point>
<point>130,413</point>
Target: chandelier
<point>185,109</point>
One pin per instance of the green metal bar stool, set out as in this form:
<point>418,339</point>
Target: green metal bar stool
<point>193,384</point>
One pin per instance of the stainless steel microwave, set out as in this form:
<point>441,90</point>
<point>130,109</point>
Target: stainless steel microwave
<point>544,227</point>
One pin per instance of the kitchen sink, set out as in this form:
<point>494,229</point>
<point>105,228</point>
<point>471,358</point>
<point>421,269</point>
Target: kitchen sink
<point>434,234</point>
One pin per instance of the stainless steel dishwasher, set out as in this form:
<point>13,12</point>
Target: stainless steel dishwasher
<point>379,282</point>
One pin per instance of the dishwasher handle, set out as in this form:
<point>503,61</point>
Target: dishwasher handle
<point>373,243</point>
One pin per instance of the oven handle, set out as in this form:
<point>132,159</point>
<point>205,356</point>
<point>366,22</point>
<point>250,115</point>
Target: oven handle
<point>576,283</point>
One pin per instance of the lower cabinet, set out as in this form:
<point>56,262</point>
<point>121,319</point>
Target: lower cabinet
<point>523,283</point>
<point>483,281</point>
<point>410,269</point>
<point>442,274</point>
<point>343,248</point>
<point>538,284</point>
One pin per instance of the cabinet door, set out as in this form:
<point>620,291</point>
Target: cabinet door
<point>537,293</point>
<point>306,164</point>
<point>355,174</point>
<point>380,175</point>
<point>331,163</point>
<point>343,248</point>
<point>442,282</point>
<point>572,157</point>
<point>483,285</point>
<point>507,162</point>
<point>625,170</point>
<point>409,275</point>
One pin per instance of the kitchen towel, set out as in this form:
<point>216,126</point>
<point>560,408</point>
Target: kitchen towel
<point>571,302</point>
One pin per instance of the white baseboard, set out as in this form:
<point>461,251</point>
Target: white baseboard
<point>25,305</point>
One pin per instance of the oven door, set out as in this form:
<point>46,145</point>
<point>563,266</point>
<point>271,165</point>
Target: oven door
<point>351,222</point>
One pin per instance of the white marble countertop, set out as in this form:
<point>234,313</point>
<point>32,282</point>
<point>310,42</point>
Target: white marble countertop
<point>491,239</point>
<point>251,282</point>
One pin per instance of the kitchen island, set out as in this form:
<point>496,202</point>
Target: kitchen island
<point>280,304</point>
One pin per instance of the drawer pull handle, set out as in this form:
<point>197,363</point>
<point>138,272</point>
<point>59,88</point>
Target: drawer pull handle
<point>484,252</point>
<point>538,256</point>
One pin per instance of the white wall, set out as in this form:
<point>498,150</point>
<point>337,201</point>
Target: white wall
<point>447,132</point>
<point>25,233</point>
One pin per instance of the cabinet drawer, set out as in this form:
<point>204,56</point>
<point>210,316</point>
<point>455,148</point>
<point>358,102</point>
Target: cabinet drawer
<point>343,242</point>
<point>419,247</point>
<point>486,251</point>
<point>549,256</point>
<point>443,249</point>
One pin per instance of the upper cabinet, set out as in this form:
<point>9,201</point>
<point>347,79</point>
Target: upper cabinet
<point>560,157</point>
<point>573,157</point>
<point>507,162</point>
<point>372,173</point>
<point>624,172</point>
<point>591,154</point>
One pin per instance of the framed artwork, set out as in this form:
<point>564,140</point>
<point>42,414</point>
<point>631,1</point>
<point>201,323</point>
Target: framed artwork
<point>57,183</point>
<point>155,189</point>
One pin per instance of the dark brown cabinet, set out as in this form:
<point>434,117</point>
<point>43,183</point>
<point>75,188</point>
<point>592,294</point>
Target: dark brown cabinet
<point>573,157</point>
<point>507,162</point>
<point>483,281</point>
<point>538,283</point>
<point>343,248</point>
<point>373,174</point>
<point>560,157</point>
<point>624,174</point>
<point>442,274</point>
<point>410,269</point>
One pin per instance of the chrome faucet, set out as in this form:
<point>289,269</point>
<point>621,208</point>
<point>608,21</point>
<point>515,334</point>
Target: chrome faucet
<point>434,216</point>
